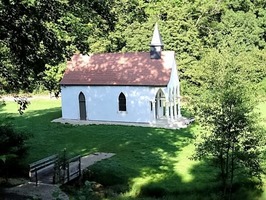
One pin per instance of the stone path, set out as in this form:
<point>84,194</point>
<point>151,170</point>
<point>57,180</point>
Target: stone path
<point>47,191</point>
<point>89,160</point>
<point>30,191</point>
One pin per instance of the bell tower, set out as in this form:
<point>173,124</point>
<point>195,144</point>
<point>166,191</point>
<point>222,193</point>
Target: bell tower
<point>156,45</point>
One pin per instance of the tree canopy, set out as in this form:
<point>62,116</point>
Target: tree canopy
<point>38,33</point>
<point>232,137</point>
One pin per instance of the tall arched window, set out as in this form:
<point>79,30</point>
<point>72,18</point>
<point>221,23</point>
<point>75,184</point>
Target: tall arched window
<point>122,102</point>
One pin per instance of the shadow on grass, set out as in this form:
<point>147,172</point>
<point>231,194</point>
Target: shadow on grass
<point>204,185</point>
<point>160,167</point>
<point>149,162</point>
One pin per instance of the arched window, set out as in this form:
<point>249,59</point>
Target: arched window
<point>122,102</point>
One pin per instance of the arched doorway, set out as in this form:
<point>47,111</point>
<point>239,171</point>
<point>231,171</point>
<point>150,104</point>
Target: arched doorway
<point>82,106</point>
<point>159,104</point>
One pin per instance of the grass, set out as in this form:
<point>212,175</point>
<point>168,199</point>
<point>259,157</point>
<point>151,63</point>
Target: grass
<point>149,162</point>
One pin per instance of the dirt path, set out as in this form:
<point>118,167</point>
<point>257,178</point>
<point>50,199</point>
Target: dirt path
<point>46,191</point>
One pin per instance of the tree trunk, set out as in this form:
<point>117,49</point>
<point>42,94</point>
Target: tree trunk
<point>232,170</point>
<point>223,173</point>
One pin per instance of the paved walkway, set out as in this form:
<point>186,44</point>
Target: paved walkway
<point>89,160</point>
<point>181,122</point>
<point>47,191</point>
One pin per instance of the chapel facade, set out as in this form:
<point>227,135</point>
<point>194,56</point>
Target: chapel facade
<point>137,87</point>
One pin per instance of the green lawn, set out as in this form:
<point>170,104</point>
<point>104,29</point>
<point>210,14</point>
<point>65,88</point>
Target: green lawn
<point>149,161</point>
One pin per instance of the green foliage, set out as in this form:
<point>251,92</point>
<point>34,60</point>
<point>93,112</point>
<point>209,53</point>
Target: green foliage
<point>36,33</point>
<point>50,32</point>
<point>27,39</point>
<point>52,77</point>
<point>22,102</point>
<point>12,141</point>
<point>12,149</point>
<point>87,192</point>
<point>233,138</point>
<point>249,66</point>
<point>60,167</point>
<point>263,87</point>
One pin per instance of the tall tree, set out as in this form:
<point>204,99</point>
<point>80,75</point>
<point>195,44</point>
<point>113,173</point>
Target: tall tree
<point>34,33</point>
<point>233,139</point>
<point>37,32</point>
<point>28,39</point>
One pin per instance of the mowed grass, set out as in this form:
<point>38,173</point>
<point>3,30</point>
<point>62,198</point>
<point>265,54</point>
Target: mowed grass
<point>149,162</point>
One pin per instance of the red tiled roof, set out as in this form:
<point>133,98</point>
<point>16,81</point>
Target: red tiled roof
<point>119,69</point>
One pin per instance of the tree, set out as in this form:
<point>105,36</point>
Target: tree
<point>34,33</point>
<point>27,40</point>
<point>37,33</point>
<point>52,77</point>
<point>233,139</point>
<point>249,65</point>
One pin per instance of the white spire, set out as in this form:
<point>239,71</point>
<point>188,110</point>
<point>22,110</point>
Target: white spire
<point>156,38</point>
<point>156,44</point>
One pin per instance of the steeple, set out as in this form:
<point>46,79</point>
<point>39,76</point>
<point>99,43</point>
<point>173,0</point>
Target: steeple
<point>156,45</point>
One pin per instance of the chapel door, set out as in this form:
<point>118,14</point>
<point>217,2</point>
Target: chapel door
<point>82,106</point>
<point>159,104</point>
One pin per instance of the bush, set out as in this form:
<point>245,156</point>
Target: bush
<point>22,102</point>
<point>108,175</point>
<point>12,149</point>
<point>154,191</point>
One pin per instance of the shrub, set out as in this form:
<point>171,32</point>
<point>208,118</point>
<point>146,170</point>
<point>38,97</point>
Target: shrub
<point>22,102</point>
<point>12,149</point>
<point>154,191</point>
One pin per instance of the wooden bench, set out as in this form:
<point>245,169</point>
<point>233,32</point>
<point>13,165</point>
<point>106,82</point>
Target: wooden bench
<point>41,164</point>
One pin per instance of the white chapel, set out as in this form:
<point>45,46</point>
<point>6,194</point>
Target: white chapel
<point>137,87</point>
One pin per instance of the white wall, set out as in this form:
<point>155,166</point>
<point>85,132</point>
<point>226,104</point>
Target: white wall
<point>174,80</point>
<point>102,103</point>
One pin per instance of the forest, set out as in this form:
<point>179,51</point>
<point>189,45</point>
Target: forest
<point>38,36</point>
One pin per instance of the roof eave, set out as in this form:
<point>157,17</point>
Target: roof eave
<point>114,85</point>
